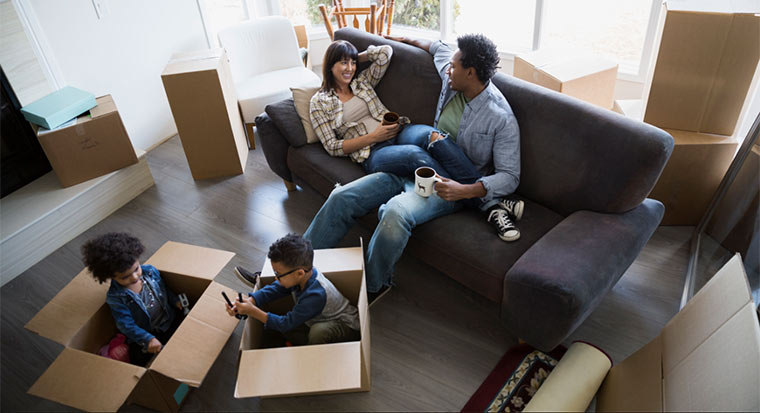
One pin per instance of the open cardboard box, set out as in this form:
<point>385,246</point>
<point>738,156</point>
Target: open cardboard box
<point>79,318</point>
<point>706,358</point>
<point>312,369</point>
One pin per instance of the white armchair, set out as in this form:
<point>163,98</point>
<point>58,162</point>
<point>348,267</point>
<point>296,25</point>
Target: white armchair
<point>265,64</point>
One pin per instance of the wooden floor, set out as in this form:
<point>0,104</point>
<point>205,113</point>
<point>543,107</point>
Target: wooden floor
<point>433,341</point>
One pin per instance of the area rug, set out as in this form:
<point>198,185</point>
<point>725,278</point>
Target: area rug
<point>514,380</point>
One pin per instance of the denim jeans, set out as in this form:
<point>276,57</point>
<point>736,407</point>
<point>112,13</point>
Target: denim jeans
<point>400,210</point>
<point>410,150</point>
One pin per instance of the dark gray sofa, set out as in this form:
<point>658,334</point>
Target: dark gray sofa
<point>586,174</point>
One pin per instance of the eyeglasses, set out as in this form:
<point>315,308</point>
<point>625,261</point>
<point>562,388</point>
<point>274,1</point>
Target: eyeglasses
<point>278,276</point>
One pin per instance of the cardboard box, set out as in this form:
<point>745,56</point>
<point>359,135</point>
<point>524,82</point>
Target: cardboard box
<point>79,318</point>
<point>315,369</point>
<point>93,145</point>
<point>59,107</point>
<point>706,358</point>
<point>587,78</point>
<point>704,63</point>
<point>692,175</point>
<point>202,97</point>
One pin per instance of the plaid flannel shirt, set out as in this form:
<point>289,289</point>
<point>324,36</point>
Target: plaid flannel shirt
<point>326,109</point>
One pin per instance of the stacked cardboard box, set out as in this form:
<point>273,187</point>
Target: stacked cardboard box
<point>89,146</point>
<point>325,368</point>
<point>203,101</point>
<point>705,58</point>
<point>587,78</point>
<point>79,318</point>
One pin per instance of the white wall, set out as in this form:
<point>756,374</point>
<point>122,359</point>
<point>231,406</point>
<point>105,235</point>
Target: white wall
<point>123,53</point>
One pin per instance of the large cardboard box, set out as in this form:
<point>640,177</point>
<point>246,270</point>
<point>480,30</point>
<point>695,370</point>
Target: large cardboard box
<point>705,58</point>
<point>202,97</point>
<point>692,175</point>
<point>92,145</point>
<point>315,369</point>
<point>79,318</point>
<point>587,78</point>
<point>706,358</point>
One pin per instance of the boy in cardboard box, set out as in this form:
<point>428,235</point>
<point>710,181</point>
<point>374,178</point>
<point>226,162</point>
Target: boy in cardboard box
<point>321,314</point>
<point>141,305</point>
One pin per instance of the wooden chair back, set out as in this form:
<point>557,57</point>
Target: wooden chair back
<point>376,17</point>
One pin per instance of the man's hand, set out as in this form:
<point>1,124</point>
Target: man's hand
<point>154,346</point>
<point>422,44</point>
<point>450,190</point>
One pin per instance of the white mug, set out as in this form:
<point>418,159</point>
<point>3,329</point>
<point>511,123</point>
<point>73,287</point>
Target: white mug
<point>424,181</point>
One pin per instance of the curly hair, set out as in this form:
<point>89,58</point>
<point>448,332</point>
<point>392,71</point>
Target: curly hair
<point>336,51</point>
<point>479,52</point>
<point>292,250</point>
<point>112,253</point>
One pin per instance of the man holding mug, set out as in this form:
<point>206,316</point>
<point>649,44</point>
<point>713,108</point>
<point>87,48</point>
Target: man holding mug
<point>477,126</point>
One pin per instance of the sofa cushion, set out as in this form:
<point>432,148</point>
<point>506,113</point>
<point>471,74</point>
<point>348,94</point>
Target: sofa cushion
<point>411,84</point>
<point>320,170</point>
<point>302,99</point>
<point>476,256</point>
<point>577,156</point>
<point>285,117</point>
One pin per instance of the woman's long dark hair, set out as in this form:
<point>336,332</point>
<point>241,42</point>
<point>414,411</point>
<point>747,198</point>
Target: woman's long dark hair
<point>337,51</point>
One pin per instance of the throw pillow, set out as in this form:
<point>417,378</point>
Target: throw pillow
<point>302,97</point>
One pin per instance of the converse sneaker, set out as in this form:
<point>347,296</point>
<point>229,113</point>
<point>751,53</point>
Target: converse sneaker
<point>513,206</point>
<point>504,226</point>
<point>246,276</point>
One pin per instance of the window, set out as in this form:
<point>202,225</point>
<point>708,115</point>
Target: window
<point>218,14</point>
<point>611,29</point>
<point>509,23</point>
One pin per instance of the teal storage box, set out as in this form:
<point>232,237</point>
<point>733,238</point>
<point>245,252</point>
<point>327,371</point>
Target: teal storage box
<point>59,107</point>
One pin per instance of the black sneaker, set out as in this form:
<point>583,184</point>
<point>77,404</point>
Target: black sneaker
<point>247,277</point>
<point>504,226</point>
<point>372,298</point>
<point>513,206</point>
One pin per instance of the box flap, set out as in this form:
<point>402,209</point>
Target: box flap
<point>190,260</point>
<point>635,384</point>
<point>198,60</point>
<point>200,338</point>
<point>329,260</point>
<point>299,370</point>
<point>719,299</point>
<point>720,6</point>
<point>683,137</point>
<point>105,105</point>
<point>570,69</point>
<point>87,381</point>
<point>723,373</point>
<point>62,318</point>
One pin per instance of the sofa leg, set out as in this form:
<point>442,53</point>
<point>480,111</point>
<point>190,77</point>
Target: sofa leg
<point>289,185</point>
<point>251,137</point>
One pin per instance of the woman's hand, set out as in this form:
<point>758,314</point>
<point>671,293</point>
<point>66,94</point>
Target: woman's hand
<point>154,346</point>
<point>384,132</point>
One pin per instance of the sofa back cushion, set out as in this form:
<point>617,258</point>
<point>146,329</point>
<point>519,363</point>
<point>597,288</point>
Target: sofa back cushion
<point>577,156</point>
<point>411,84</point>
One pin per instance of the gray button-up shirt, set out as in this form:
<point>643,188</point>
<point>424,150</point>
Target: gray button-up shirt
<point>488,132</point>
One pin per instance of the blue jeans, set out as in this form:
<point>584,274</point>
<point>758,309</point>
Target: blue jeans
<point>400,210</point>
<point>410,150</point>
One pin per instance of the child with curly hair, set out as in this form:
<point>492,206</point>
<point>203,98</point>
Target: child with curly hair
<point>141,305</point>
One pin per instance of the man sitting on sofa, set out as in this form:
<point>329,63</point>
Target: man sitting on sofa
<point>473,114</point>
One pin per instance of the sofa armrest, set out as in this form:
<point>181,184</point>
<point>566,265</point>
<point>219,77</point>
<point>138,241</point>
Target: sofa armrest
<point>559,281</point>
<point>274,145</point>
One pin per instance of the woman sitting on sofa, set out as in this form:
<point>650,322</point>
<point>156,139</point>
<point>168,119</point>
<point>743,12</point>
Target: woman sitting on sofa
<point>347,114</point>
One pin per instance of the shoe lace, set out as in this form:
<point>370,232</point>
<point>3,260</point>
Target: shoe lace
<point>509,204</point>
<point>502,220</point>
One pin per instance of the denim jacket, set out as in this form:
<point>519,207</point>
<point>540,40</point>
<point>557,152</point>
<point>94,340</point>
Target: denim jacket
<point>488,132</point>
<point>129,312</point>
